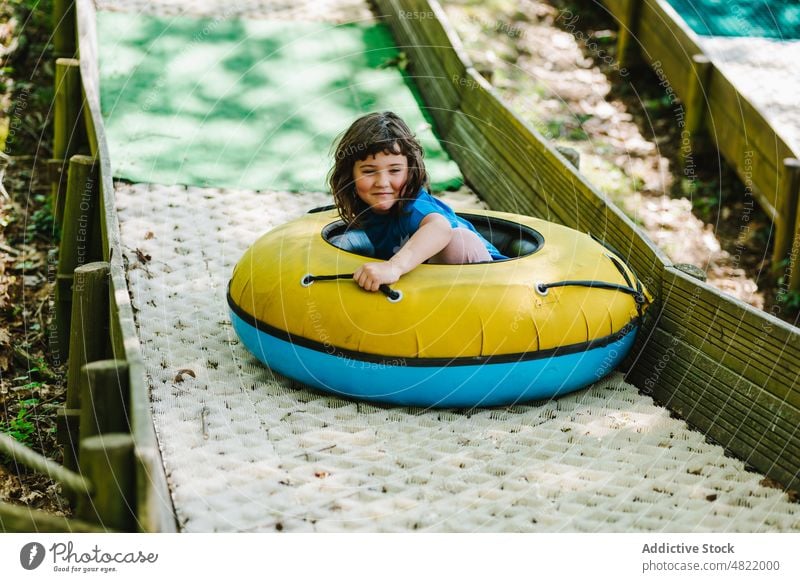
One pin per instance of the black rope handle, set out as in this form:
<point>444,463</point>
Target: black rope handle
<point>385,289</point>
<point>638,296</point>
<point>637,292</point>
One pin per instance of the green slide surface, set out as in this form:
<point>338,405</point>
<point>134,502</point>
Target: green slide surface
<point>778,19</point>
<point>246,103</point>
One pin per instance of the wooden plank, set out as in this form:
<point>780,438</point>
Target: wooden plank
<point>783,336</point>
<point>670,26</point>
<point>741,139</point>
<point>19,519</point>
<point>725,392</point>
<point>64,36</point>
<point>105,396</point>
<point>751,121</point>
<point>503,190</point>
<point>440,37</point>
<point>155,512</point>
<point>716,320</point>
<point>433,63</point>
<point>679,389</point>
<point>751,362</point>
<point>755,355</point>
<point>89,340</point>
<point>108,462</point>
<point>787,232</point>
<point>667,43</point>
<point>705,402</point>
<point>628,18</point>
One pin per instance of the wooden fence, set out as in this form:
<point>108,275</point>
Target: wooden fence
<point>112,469</point>
<point>766,163</point>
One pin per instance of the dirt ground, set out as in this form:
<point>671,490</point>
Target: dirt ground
<point>31,378</point>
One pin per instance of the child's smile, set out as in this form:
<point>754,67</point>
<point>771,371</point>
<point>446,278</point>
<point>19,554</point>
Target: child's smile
<point>380,180</point>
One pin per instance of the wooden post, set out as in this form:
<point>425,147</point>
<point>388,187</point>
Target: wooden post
<point>104,398</point>
<point>67,432</point>
<point>695,105</point>
<point>692,271</point>
<point>572,155</point>
<point>88,339</point>
<point>89,327</point>
<point>69,130</point>
<point>787,227</point>
<point>107,461</point>
<point>76,234</point>
<point>628,27</point>
<point>22,455</point>
<point>64,34</point>
<point>18,518</point>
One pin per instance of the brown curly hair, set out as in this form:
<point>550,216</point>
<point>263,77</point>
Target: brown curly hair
<point>374,133</point>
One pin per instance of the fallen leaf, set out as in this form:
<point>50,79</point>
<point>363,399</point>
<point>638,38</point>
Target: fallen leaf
<point>142,256</point>
<point>181,372</point>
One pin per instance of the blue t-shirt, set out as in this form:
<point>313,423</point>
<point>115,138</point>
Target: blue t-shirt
<point>389,232</point>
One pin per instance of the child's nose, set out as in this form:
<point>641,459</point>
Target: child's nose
<point>383,179</point>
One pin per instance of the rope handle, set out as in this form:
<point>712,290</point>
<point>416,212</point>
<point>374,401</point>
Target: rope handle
<point>637,292</point>
<point>393,295</point>
<point>638,296</point>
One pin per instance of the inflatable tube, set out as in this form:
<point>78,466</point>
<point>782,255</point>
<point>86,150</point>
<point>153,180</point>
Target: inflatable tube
<point>561,313</point>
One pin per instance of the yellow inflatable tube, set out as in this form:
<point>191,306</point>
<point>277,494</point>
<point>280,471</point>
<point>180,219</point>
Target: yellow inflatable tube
<point>567,294</point>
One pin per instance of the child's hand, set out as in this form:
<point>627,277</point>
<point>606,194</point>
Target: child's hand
<point>371,276</point>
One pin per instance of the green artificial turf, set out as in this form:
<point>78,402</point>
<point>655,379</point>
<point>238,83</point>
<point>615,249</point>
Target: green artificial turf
<point>779,19</point>
<point>246,103</point>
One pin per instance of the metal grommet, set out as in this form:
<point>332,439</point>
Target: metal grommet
<point>397,298</point>
<point>307,280</point>
<point>541,289</point>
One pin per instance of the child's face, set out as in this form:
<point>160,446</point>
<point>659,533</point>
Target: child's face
<point>380,180</point>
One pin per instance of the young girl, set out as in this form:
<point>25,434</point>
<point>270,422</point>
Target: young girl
<point>379,184</point>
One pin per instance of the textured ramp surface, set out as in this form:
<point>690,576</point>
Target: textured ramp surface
<point>247,103</point>
<point>766,72</point>
<point>245,450</point>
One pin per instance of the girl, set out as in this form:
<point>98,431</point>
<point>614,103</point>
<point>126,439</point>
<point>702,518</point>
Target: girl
<point>379,184</point>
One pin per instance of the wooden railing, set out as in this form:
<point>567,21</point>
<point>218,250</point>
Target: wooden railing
<point>715,109</point>
<point>112,470</point>
<point>727,368</point>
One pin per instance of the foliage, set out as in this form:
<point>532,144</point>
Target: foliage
<point>22,427</point>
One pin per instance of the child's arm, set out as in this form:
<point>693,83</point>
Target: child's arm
<point>433,235</point>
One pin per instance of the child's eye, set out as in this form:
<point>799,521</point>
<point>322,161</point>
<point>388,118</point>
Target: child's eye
<point>397,171</point>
